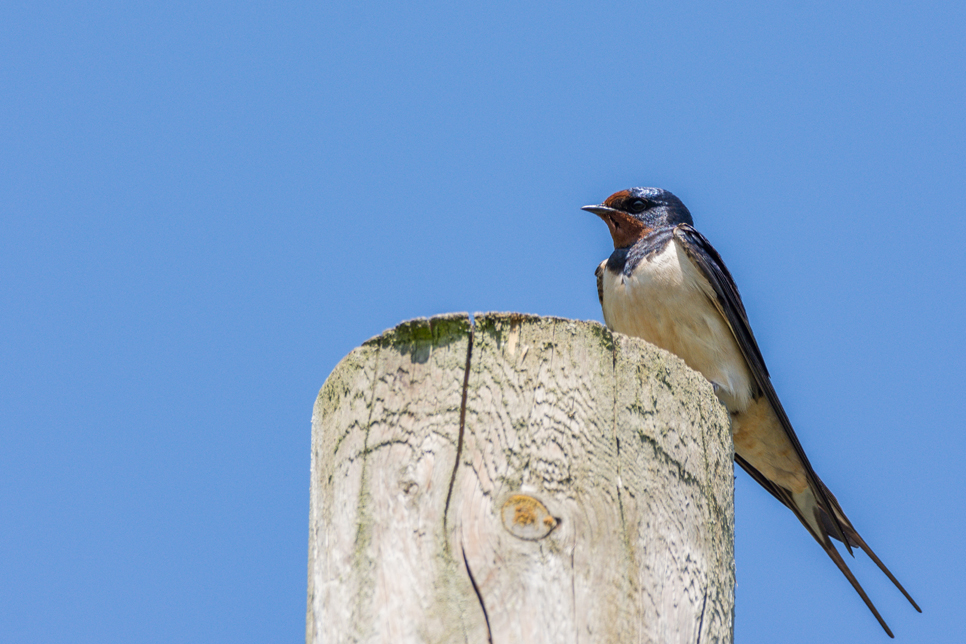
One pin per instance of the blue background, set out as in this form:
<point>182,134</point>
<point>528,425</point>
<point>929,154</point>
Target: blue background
<point>205,206</point>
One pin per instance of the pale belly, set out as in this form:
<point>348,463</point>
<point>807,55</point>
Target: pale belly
<point>666,302</point>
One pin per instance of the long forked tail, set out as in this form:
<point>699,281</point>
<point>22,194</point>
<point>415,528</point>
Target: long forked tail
<point>856,540</point>
<point>822,528</point>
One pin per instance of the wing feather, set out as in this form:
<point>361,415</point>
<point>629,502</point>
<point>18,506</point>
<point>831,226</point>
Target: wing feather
<point>830,520</point>
<point>729,304</point>
<point>600,282</point>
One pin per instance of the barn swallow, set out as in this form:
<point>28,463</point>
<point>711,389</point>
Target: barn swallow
<point>665,283</point>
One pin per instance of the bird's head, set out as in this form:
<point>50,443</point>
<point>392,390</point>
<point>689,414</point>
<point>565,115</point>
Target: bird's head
<point>633,214</point>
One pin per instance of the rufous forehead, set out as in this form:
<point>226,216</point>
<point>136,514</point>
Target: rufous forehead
<point>616,198</point>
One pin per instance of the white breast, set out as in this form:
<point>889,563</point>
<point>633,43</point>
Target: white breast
<point>667,301</point>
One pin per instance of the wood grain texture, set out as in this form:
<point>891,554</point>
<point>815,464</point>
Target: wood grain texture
<point>620,452</point>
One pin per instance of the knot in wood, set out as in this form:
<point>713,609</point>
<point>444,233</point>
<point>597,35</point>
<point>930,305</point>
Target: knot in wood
<point>527,518</point>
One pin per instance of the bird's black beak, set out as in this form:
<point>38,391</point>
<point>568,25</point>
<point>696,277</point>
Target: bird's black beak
<point>600,210</point>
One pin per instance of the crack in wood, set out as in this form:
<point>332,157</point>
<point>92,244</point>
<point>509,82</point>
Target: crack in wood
<point>459,440</point>
<point>704,604</point>
<point>486,617</point>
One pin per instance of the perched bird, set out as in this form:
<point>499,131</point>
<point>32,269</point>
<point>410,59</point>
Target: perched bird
<point>665,283</point>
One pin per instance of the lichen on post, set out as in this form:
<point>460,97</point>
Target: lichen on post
<point>518,479</point>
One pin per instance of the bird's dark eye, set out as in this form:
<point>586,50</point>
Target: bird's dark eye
<point>638,205</point>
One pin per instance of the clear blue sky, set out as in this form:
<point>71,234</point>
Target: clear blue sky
<point>204,206</point>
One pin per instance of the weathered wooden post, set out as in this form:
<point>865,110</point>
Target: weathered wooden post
<point>527,480</point>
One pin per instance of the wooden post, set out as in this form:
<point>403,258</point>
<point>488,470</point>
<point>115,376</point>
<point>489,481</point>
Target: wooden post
<point>527,480</point>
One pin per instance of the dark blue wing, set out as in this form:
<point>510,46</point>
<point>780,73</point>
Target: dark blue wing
<point>831,519</point>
